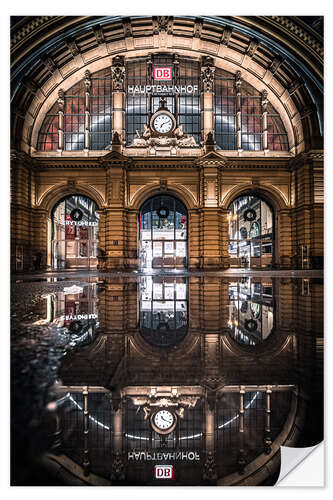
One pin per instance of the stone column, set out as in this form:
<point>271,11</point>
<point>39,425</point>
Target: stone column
<point>193,238</point>
<point>238,84</point>
<point>115,216</point>
<point>40,235</point>
<point>241,456</point>
<point>207,96</point>
<point>210,217</point>
<point>61,105</point>
<point>267,438</point>
<point>283,243</point>
<point>86,462</point>
<point>21,192</point>
<point>87,83</point>
<point>118,96</point>
<point>264,102</point>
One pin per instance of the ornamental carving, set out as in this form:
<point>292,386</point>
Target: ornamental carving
<point>209,468</point>
<point>162,24</point>
<point>252,47</point>
<point>207,77</point>
<point>118,73</point>
<point>71,44</point>
<point>99,34</point>
<point>61,100</point>
<point>118,467</point>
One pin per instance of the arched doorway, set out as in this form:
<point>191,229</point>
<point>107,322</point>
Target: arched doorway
<point>74,235</point>
<point>251,232</point>
<point>163,233</point>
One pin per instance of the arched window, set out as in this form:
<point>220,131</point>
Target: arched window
<point>163,233</point>
<point>251,232</point>
<point>251,113</point>
<point>100,117</point>
<point>74,233</point>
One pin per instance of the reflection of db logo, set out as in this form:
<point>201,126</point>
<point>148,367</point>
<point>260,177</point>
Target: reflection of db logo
<point>163,73</point>
<point>163,471</point>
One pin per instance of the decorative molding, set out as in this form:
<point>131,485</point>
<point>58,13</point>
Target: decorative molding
<point>118,72</point>
<point>74,49</point>
<point>99,35</point>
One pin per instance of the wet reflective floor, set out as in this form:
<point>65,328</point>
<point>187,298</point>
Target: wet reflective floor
<point>164,379</point>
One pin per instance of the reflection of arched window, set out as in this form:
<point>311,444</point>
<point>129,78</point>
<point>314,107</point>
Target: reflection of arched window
<point>74,233</point>
<point>163,233</point>
<point>251,312</point>
<point>163,310</point>
<point>252,216</point>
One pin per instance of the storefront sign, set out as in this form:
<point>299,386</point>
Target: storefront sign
<point>80,223</point>
<point>155,456</point>
<point>163,89</point>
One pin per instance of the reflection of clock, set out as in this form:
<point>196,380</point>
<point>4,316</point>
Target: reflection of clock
<point>163,122</point>
<point>163,421</point>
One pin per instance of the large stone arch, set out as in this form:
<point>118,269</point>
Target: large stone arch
<point>281,101</point>
<point>282,223</point>
<point>148,191</point>
<point>55,194</point>
<point>270,194</point>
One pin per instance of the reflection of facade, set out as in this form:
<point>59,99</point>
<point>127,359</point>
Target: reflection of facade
<point>251,316</point>
<point>120,110</point>
<point>233,403</point>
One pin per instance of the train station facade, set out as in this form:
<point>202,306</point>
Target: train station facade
<point>166,142</point>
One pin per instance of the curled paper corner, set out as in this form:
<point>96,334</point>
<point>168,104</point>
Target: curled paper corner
<point>305,471</point>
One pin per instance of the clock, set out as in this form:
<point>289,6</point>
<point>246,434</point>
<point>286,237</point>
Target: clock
<point>163,122</point>
<point>163,421</point>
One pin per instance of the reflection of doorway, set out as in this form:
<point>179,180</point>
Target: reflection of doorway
<point>251,233</point>
<point>74,233</point>
<point>163,233</point>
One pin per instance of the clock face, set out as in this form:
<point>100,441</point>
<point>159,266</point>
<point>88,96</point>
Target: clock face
<point>164,420</point>
<point>163,123</point>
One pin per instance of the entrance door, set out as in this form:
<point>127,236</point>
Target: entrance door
<point>163,233</point>
<point>74,233</point>
<point>251,233</point>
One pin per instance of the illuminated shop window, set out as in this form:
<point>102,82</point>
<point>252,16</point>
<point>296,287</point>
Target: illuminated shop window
<point>75,233</point>
<point>251,233</point>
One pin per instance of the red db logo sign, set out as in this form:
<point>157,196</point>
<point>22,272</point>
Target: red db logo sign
<point>163,73</point>
<point>163,471</point>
